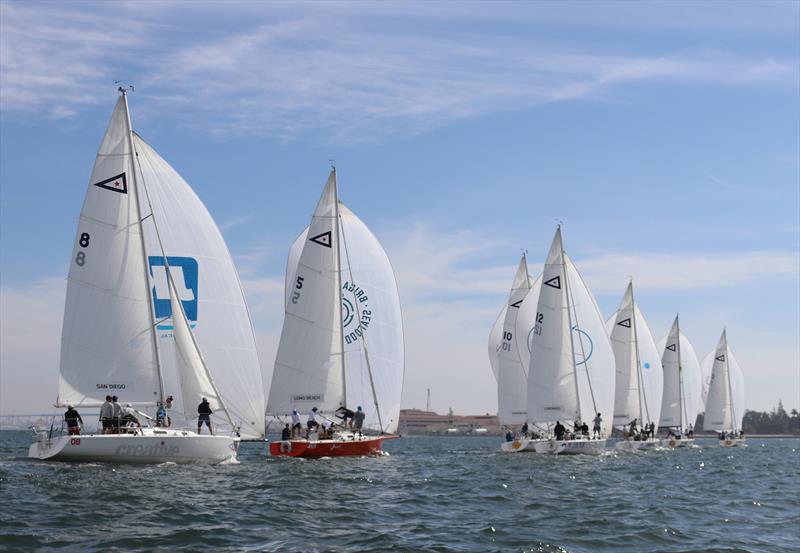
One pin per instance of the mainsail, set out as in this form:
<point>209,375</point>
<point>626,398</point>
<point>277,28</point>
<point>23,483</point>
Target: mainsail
<point>512,376</point>
<point>107,343</point>
<point>682,379</point>
<point>640,378</point>
<point>725,401</point>
<point>342,337</point>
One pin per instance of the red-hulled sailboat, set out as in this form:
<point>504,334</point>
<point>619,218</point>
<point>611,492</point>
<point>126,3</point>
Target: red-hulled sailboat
<point>342,338</point>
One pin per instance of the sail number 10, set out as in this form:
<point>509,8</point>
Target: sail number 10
<point>83,242</point>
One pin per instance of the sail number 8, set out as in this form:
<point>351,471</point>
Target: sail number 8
<point>83,242</point>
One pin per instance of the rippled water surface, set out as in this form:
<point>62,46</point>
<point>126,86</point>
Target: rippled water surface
<point>428,494</point>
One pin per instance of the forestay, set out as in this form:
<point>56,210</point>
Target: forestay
<point>206,281</point>
<point>106,342</point>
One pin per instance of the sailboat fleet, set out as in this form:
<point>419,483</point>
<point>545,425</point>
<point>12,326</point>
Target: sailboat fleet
<point>155,314</point>
<point>564,377</point>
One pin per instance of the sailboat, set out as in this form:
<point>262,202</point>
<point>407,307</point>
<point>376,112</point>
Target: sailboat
<point>342,340</point>
<point>571,370</point>
<point>725,403</point>
<point>682,387</point>
<point>153,306</point>
<point>505,353</point>
<point>640,378</point>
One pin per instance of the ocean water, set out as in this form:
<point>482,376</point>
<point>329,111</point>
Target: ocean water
<point>428,494</point>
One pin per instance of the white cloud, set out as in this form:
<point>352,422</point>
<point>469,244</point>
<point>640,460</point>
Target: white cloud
<point>342,70</point>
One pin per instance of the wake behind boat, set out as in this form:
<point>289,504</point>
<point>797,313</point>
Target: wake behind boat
<point>342,338</point>
<point>135,323</point>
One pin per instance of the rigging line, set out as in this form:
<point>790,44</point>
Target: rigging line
<point>364,335</point>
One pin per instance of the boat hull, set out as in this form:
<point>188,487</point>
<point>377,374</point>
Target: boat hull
<point>733,442</point>
<point>359,446</point>
<point>518,445</point>
<point>147,448</point>
<point>677,442</point>
<point>634,445</point>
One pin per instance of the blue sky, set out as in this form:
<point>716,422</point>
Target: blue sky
<point>666,136</point>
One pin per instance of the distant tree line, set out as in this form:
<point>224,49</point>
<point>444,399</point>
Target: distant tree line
<point>777,421</point>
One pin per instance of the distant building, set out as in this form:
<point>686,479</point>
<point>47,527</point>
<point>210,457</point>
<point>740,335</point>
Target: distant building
<point>428,423</point>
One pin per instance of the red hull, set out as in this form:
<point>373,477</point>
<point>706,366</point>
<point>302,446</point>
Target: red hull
<point>328,448</point>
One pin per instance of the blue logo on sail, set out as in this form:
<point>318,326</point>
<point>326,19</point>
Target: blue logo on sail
<point>184,274</point>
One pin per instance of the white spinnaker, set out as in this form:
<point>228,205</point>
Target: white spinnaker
<point>373,325</point>
<point>195,381</point>
<point>372,275</point>
<point>689,376</point>
<point>106,341</point>
<point>512,376</point>
<point>725,401</point>
<point>594,357</point>
<point>209,289</point>
<point>635,396</point>
<point>308,365</point>
<point>552,391</point>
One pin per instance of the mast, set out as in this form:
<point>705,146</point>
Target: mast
<point>569,322</point>
<point>730,388</point>
<point>338,297</point>
<point>640,390</point>
<point>153,334</point>
<point>680,373</point>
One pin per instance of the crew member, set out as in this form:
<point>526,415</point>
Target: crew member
<point>204,413</point>
<point>73,418</point>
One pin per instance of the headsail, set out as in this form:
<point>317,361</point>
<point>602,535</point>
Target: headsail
<point>207,284</point>
<point>639,376</point>
<point>107,341</point>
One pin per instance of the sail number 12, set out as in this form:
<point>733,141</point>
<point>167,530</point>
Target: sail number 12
<point>83,242</point>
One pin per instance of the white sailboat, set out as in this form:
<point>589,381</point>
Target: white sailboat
<point>725,403</point>
<point>640,378</point>
<point>342,338</point>
<point>571,370</point>
<point>153,305</point>
<point>505,354</point>
<point>682,387</point>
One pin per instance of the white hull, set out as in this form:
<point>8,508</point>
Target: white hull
<point>519,445</point>
<point>148,446</point>
<point>634,445</point>
<point>733,442</point>
<point>677,442</point>
<point>583,447</point>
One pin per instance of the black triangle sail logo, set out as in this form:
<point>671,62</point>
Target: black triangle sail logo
<point>671,347</point>
<point>323,239</point>
<point>115,184</point>
<point>554,282</point>
<point>720,358</point>
<point>516,304</point>
<point>626,323</point>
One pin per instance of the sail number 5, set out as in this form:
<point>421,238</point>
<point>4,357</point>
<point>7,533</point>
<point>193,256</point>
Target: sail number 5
<point>297,286</point>
<point>83,242</point>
